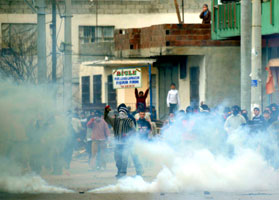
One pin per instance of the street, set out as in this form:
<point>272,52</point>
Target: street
<point>139,99</point>
<point>80,180</point>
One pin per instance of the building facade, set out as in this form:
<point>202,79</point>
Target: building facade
<point>226,24</point>
<point>203,69</point>
<point>93,25</point>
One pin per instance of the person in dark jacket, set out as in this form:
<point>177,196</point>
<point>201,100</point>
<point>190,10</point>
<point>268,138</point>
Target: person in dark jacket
<point>267,119</point>
<point>258,118</point>
<point>257,122</point>
<point>124,128</point>
<point>244,113</point>
<point>141,97</point>
<point>205,15</point>
<point>189,110</point>
<point>143,126</point>
<point>274,112</point>
<point>70,142</point>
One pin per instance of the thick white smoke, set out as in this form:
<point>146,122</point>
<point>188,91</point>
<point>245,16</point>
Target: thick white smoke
<point>13,179</point>
<point>33,132</point>
<point>28,184</point>
<point>196,155</point>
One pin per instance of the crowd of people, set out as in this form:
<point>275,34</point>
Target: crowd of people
<point>233,117</point>
<point>260,121</point>
<point>95,131</point>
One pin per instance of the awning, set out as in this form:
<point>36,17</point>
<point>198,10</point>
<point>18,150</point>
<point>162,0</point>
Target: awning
<point>120,62</point>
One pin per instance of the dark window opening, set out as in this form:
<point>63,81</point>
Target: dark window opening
<point>92,34</point>
<point>85,84</point>
<point>97,89</point>
<point>194,84</point>
<point>111,93</point>
<point>183,68</point>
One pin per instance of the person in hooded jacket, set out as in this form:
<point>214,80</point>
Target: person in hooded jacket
<point>129,112</point>
<point>123,128</point>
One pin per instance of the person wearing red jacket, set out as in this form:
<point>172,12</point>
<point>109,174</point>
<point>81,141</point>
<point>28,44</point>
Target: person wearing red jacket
<point>100,135</point>
<point>141,97</point>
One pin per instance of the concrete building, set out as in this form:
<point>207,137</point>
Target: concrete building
<point>226,25</point>
<point>93,25</point>
<point>203,69</point>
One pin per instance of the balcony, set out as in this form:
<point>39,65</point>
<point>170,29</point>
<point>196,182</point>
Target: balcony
<point>226,19</point>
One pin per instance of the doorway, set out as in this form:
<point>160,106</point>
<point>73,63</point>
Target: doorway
<point>167,75</point>
<point>194,85</point>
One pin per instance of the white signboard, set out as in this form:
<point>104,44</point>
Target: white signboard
<point>126,78</point>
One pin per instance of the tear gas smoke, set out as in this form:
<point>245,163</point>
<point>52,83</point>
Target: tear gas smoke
<point>33,132</point>
<point>195,154</point>
<point>28,184</point>
<point>12,180</point>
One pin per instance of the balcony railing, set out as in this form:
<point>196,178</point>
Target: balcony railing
<point>226,19</point>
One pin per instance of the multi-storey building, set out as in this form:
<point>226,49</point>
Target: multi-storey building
<point>93,26</point>
<point>226,24</point>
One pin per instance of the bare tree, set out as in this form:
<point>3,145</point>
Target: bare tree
<point>18,58</point>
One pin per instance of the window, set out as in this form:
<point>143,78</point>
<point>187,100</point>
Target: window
<point>111,93</point>
<point>97,89</point>
<point>183,68</point>
<point>85,97</point>
<point>92,34</point>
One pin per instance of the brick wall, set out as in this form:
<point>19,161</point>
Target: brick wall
<point>168,35</point>
<point>108,6</point>
<point>127,39</point>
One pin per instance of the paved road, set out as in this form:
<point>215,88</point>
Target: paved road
<point>80,179</point>
<point>180,196</point>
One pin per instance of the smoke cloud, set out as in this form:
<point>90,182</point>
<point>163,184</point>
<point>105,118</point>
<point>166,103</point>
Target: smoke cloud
<point>195,154</point>
<point>33,132</point>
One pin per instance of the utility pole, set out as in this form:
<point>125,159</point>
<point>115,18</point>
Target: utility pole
<point>256,90</point>
<point>182,5</point>
<point>41,41</point>
<point>68,56</point>
<point>96,28</point>
<point>246,32</point>
<point>54,41</point>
